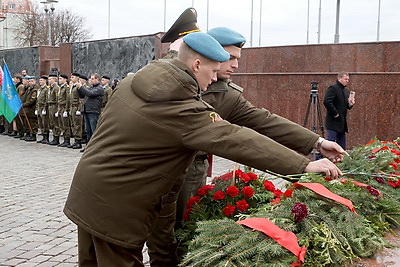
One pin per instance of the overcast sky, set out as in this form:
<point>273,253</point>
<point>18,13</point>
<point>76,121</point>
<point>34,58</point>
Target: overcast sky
<point>283,22</point>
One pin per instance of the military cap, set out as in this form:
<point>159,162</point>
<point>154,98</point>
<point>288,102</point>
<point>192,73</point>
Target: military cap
<point>53,74</point>
<point>64,76</point>
<point>31,77</point>
<point>75,74</point>
<point>207,46</point>
<point>44,77</point>
<point>106,77</point>
<point>186,23</point>
<point>226,36</point>
<point>26,77</point>
<point>83,77</point>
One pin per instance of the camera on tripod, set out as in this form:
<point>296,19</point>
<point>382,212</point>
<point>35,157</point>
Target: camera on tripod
<point>314,87</point>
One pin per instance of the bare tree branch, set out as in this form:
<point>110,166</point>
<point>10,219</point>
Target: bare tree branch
<point>33,29</point>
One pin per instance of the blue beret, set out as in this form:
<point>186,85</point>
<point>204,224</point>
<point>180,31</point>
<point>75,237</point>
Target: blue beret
<point>226,36</point>
<point>207,46</point>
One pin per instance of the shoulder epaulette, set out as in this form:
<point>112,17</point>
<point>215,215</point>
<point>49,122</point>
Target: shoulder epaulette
<point>236,87</point>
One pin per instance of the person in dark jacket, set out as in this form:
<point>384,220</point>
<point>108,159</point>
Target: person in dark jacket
<point>337,101</point>
<point>93,98</point>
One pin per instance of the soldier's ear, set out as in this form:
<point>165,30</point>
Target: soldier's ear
<point>196,65</point>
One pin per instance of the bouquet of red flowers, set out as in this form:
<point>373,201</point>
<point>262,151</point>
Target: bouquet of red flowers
<point>230,194</point>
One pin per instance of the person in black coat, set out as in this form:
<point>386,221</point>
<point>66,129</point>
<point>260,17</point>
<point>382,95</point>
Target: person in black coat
<point>337,101</point>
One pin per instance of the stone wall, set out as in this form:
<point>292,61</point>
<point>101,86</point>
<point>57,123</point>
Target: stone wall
<point>278,78</point>
<point>23,58</point>
<point>114,57</point>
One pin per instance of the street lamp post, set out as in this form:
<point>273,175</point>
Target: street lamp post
<point>2,18</point>
<point>49,9</point>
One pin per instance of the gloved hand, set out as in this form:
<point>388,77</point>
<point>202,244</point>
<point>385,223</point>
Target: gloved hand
<point>35,112</point>
<point>65,114</point>
<point>56,114</point>
<point>44,112</point>
<point>77,113</point>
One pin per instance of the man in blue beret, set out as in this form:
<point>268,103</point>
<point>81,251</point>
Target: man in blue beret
<point>227,99</point>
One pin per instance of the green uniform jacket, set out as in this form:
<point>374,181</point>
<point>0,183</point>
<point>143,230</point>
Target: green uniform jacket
<point>147,136</point>
<point>227,99</point>
<point>63,98</point>
<point>52,94</point>
<point>30,102</point>
<point>41,103</point>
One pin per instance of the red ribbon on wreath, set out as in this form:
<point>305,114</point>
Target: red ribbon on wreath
<point>323,191</point>
<point>286,239</point>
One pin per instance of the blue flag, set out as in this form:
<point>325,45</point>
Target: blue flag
<point>10,103</point>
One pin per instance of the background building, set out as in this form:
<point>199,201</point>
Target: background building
<point>11,10</point>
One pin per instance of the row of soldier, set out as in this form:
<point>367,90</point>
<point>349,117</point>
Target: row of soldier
<point>69,107</point>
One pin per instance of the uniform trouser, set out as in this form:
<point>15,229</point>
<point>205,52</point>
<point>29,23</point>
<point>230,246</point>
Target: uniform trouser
<point>63,123</point>
<point>161,242</point>
<point>43,121</point>
<point>76,124</point>
<point>32,127</point>
<point>53,120</point>
<point>196,177</point>
<point>21,122</point>
<point>93,251</point>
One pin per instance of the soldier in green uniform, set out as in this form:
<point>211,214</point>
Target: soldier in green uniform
<point>146,138</point>
<point>52,95</point>
<point>42,109</point>
<point>75,107</point>
<point>22,123</point>
<point>30,107</point>
<point>105,83</point>
<point>62,110</point>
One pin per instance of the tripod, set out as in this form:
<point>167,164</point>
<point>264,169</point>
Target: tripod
<point>316,117</point>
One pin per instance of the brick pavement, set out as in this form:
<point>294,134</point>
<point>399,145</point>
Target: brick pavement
<point>35,180</point>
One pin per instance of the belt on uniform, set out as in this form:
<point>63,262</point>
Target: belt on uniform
<point>51,104</point>
<point>201,157</point>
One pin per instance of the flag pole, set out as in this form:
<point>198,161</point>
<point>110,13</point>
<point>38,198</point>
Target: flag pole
<point>27,120</point>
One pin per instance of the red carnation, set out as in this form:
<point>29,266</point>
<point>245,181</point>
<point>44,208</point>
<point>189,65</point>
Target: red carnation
<point>204,190</point>
<point>373,191</point>
<point>228,210</point>
<point>252,176</point>
<point>232,191</point>
<point>379,179</point>
<point>244,177</point>
<point>186,215</point>
<point>193,200</point>
<point>394,165</point>
<point>242,205</point>
<point>288,193</point>
<point>278,193</point>
<point>269,186</point>
<point>391,183</point>
<point>247,192</point>
<point>300,211</point>
<point>219,195</point>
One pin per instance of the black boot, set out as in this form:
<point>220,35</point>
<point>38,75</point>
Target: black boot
<point>45,139</point>
<point>18,135</point>
<point>31,138</point>
<point>2,129</point>
<point>66,142</point>
<point>77,145</point>
<point>56,141</point>
<point>25,136</point>
<point>13,133</point>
